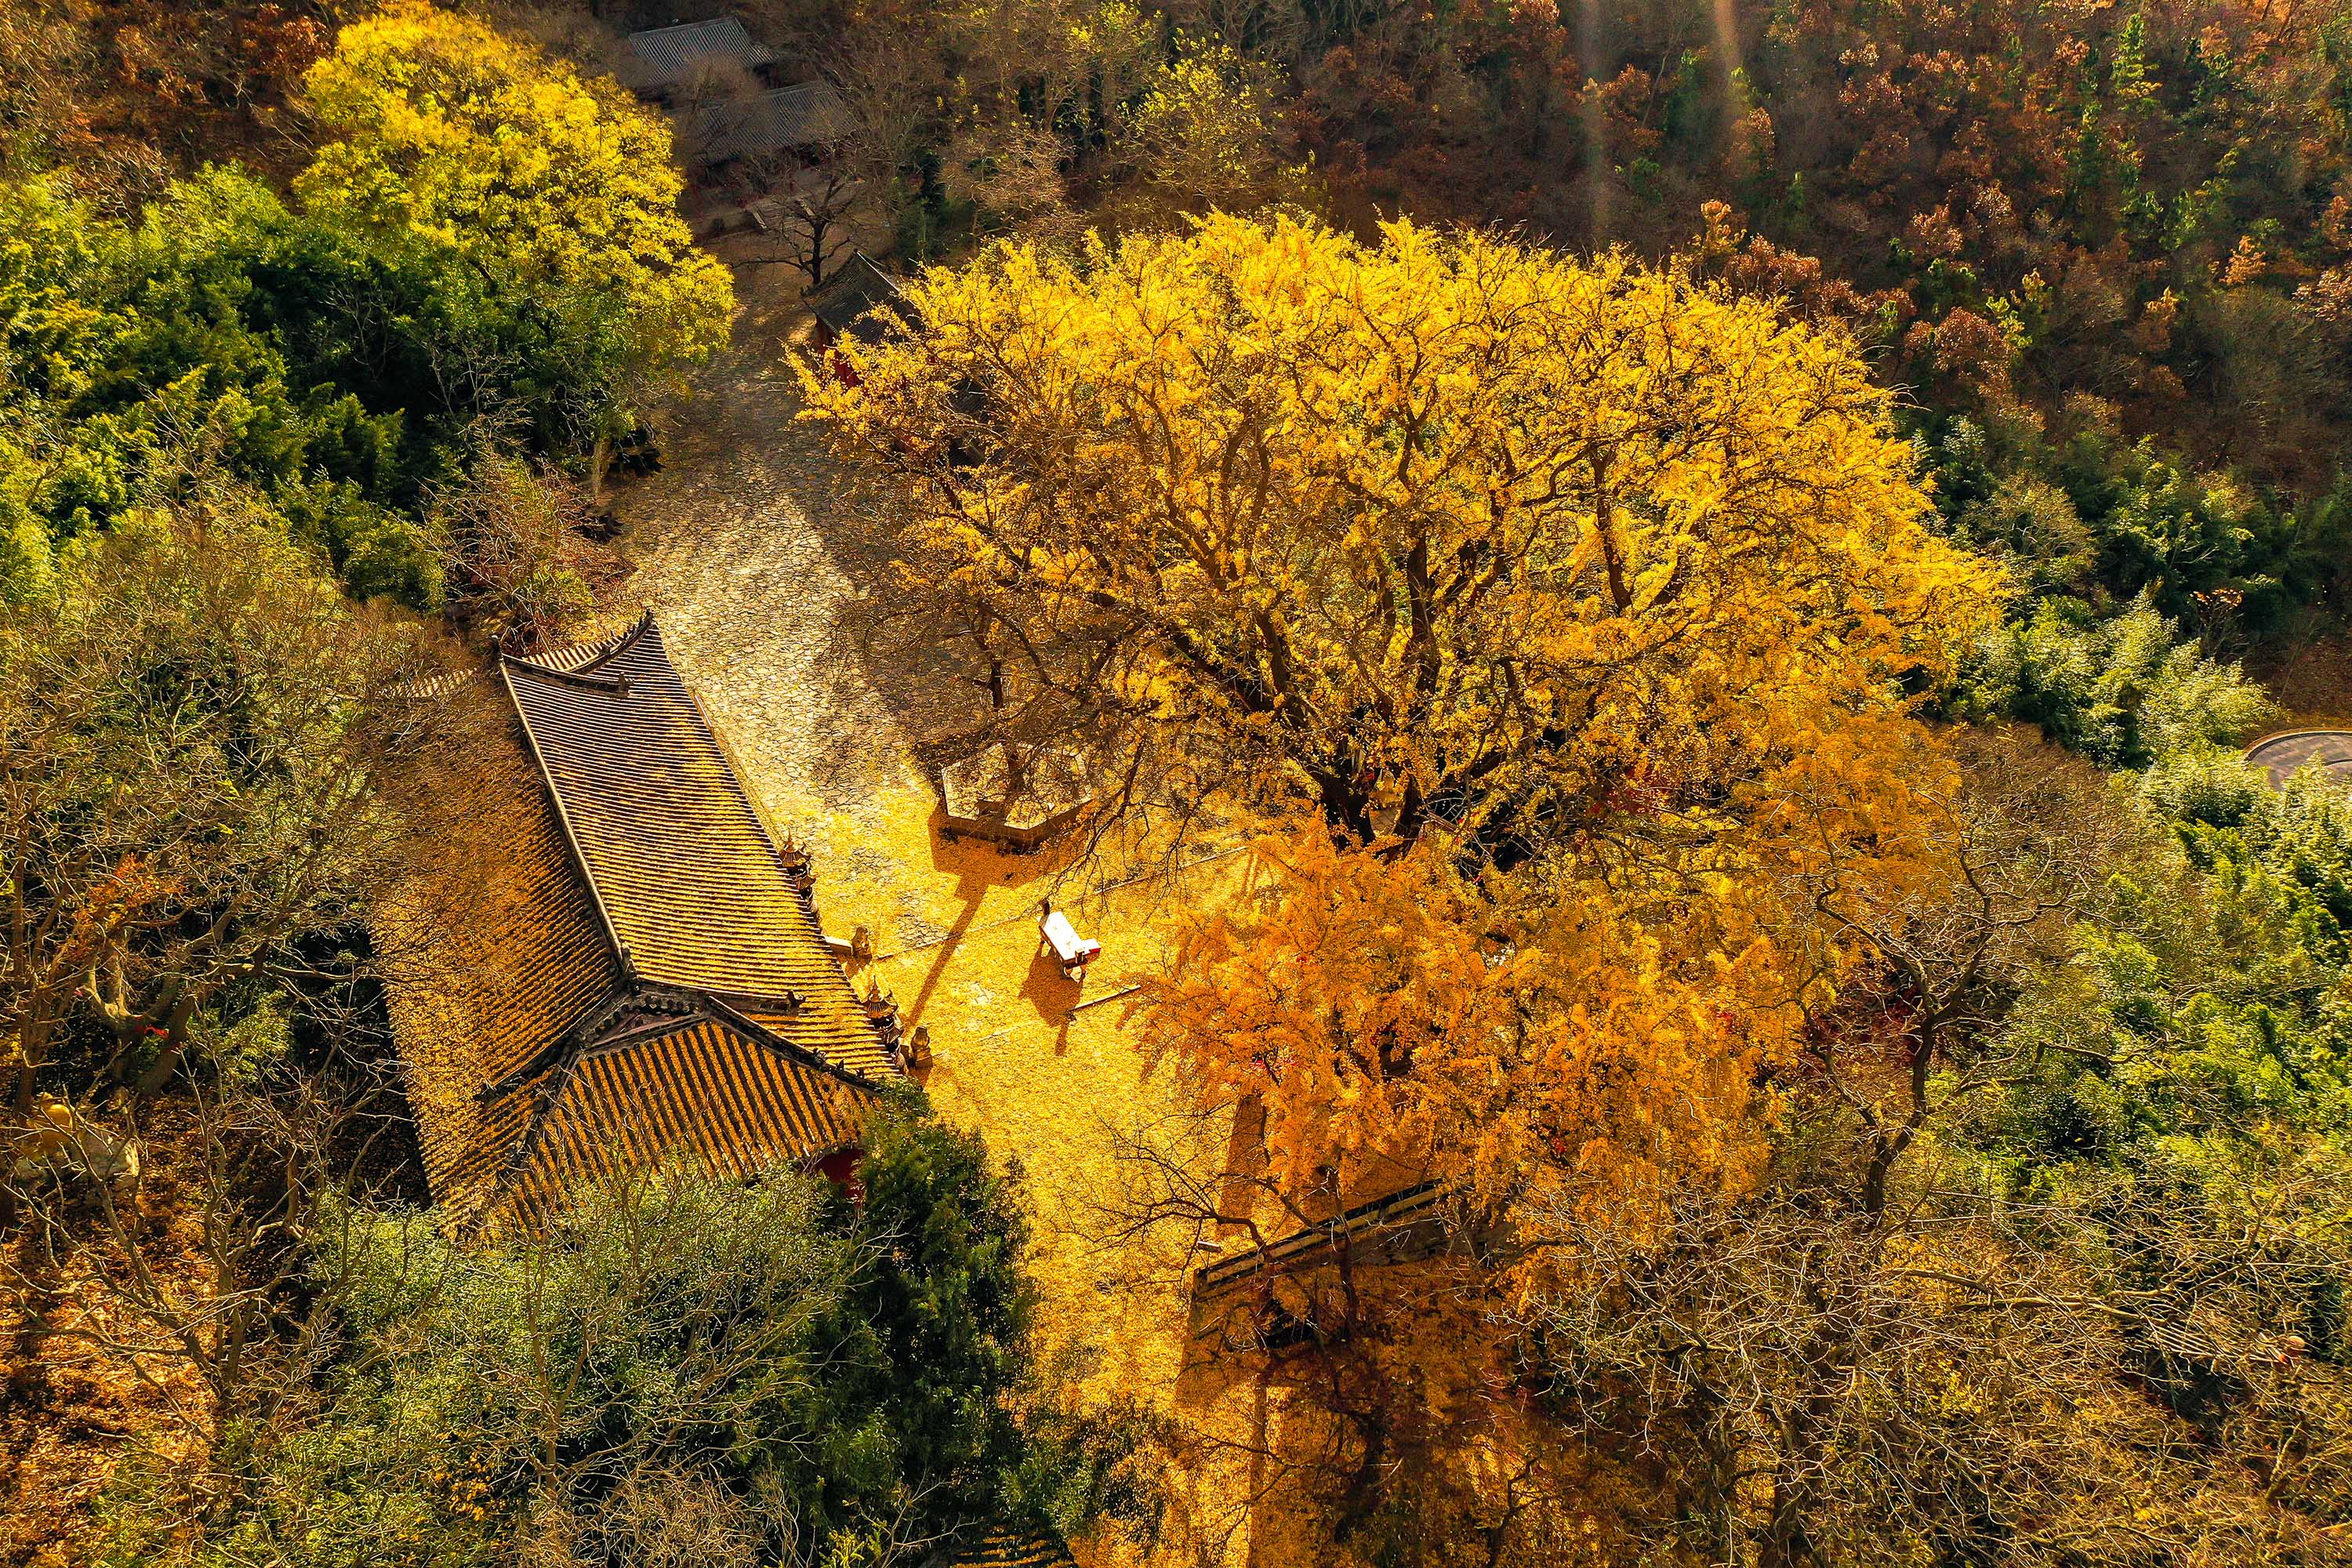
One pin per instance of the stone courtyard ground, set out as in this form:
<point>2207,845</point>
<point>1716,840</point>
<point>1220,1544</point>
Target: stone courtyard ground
<point>746,549</point>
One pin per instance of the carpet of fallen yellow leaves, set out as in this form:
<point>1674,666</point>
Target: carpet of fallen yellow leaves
<point>747,550</point>
<point>1047,1070</point>
<point>1045,1067</point>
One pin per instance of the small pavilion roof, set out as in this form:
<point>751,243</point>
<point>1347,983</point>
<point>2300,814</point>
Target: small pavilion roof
<point>842,305</point>
<point>762,125</point>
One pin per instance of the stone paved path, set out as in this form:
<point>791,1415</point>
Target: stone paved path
<point>2282,756</point>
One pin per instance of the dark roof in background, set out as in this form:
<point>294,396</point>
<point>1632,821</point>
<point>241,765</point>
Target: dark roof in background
<point>857,288</point>
<point>666,57</point>
<point>765,123</point>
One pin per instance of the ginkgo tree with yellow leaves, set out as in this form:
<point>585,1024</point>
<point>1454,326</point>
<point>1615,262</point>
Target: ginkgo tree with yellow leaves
<point>546,200</point>
<point>1441,528</point>
<point>1586,596</point>
<point>1561,621</point>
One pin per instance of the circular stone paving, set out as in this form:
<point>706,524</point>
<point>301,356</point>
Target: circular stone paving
<point>2281,755</point>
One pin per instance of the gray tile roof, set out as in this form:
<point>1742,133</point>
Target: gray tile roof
<point>611,963</point>
<point>670,57</point>
<point>808,115</point>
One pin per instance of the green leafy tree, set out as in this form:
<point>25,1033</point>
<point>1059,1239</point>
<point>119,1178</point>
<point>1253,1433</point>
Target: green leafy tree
<point>143,357</point>
<point>486,255</point>
<point>2049,1266</point>
<point>2124,691</point>
<point>193,724</point>
<point>932,1330</point>
<point>543,203</point>
<point>673,1369</point>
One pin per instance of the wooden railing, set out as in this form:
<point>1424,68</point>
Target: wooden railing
<point>1328,1239</point>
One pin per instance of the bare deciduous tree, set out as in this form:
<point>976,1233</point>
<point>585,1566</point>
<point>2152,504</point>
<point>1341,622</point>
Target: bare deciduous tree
<point>193,1266</point>
<point>1885,1354</point>
<point>517,553</point>
<point>816,204</point>
<point>189,740</point>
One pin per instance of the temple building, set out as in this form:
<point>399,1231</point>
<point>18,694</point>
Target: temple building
<point>695,60</point>
<point>602,956</point>
<point>763,133</point>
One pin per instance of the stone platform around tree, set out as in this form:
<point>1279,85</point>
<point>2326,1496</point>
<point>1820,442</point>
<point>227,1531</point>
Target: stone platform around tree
<point>976,796</point>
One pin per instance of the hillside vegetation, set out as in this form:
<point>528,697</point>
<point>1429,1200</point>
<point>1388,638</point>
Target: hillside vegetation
<point>1698,562</point>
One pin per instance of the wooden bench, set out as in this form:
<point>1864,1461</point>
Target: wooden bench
<point>1074,950</point>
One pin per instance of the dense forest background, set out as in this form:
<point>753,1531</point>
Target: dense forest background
<point>2103,248</point>
<point>319,333</point>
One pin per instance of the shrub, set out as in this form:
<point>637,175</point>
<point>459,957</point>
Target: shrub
<point>674,1368</point>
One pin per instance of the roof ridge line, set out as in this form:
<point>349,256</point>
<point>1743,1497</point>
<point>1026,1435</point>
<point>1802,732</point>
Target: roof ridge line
<point>607,649</point>
<point>561,1058</point>
<point>573,1046</point>
<point>567,1054</point>
<point>622,643</point>
<point>579,1038</point>
<point>621,1039</point>
<point>760,1033</point>
<point>618,685</point>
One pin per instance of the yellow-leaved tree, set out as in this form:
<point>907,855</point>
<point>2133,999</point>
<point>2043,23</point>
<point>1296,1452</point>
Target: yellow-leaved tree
<point>1589,594</point>
<point>1565,621</point>
<point>546,203</point>
<point>1604,585</point>
<point>1444,528</point>
<point>1573,1034</point>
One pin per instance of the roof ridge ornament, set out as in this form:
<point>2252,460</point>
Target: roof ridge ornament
<point>800,868</point>
<point>881,1009</point>
<point>591,656</point>
<point>618,684</point>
